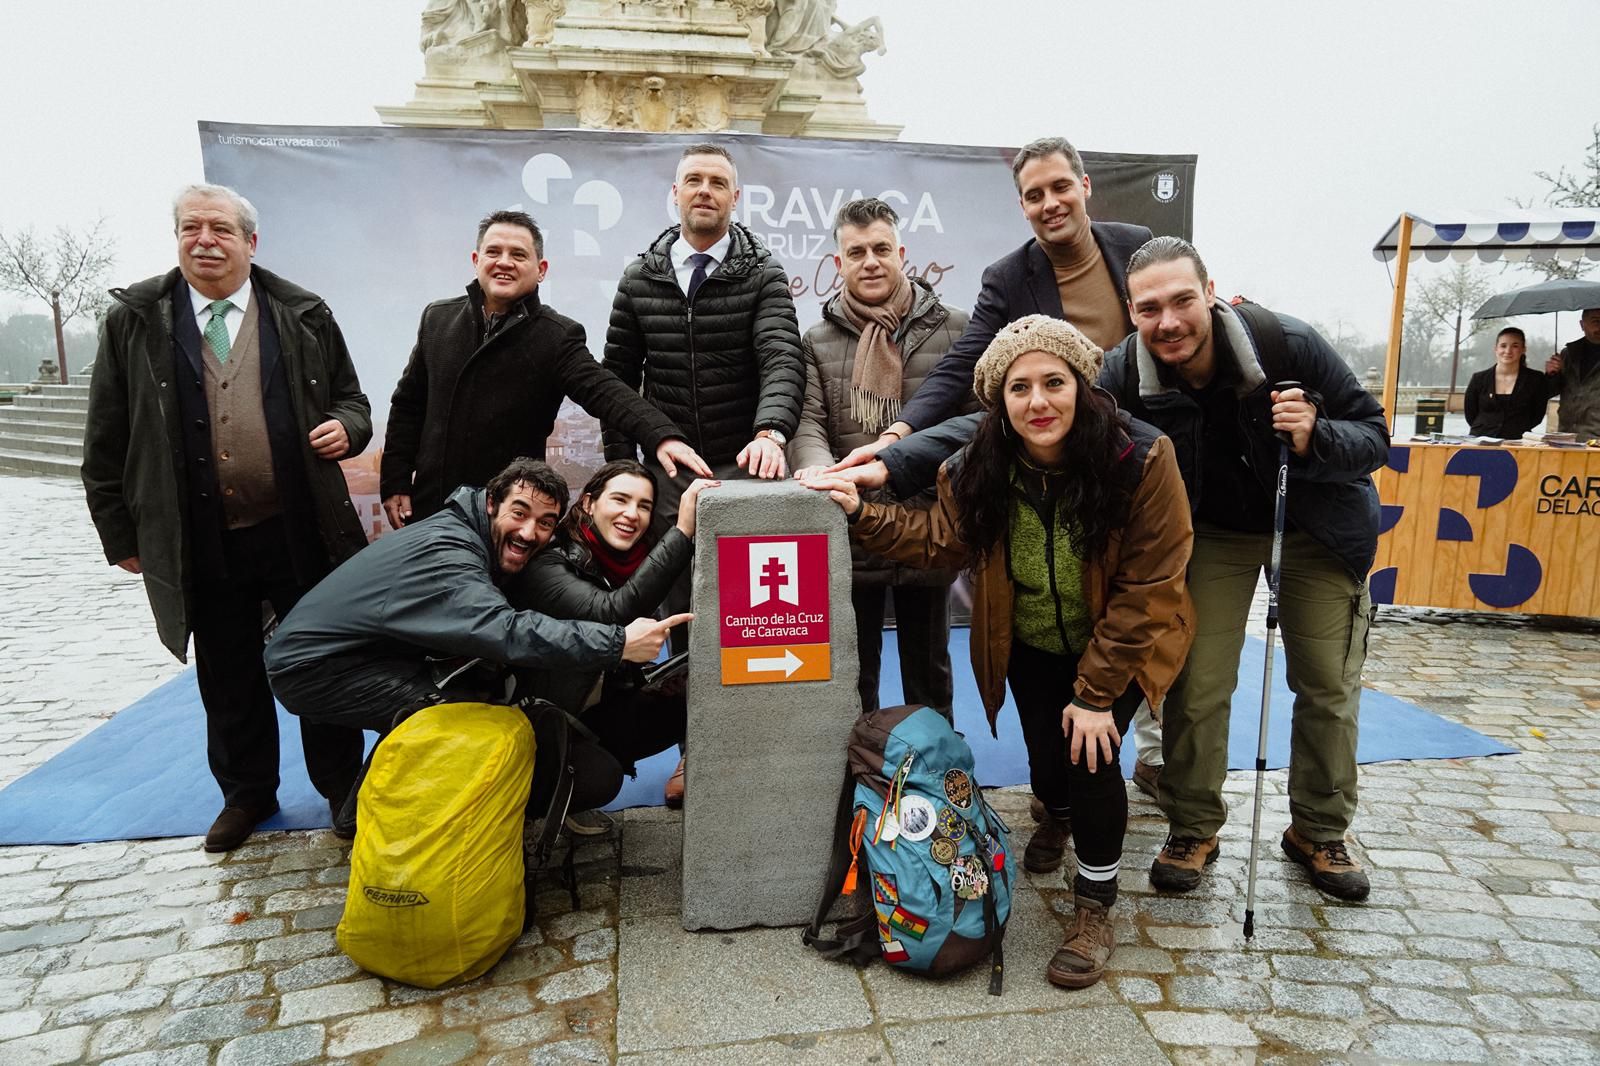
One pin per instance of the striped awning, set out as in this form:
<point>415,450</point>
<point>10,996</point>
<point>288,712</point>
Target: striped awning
<point>1515,235</point>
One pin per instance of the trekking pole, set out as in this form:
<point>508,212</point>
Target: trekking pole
<point>1274,571</point>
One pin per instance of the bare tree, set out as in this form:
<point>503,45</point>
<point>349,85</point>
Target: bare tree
<point>68,273</point>
<point>1450,299</point>
<point>1570,188</point>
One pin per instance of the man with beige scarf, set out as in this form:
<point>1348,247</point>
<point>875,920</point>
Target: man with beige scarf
<point>877,341</point>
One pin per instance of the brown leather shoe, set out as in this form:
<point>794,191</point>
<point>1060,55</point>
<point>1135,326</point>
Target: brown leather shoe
<point>1329,864</point>
<point>1036,809</point>
<point>1081,959</point>
<point>234,826</point>
<point>674,793</point>
<point>1147,779</point>
<point>1047,846</point>
<point>1182,861</point>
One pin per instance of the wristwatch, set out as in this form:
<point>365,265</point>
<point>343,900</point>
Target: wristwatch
<point>775,436</point>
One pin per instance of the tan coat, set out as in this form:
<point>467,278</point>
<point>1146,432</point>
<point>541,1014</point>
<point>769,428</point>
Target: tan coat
<point>1137,593</point>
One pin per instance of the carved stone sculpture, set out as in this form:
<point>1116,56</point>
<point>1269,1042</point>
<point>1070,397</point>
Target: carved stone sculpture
<point>797,26</point>
<point>840,55</point>
<point>653,113</point>
<point>712,107</point>
<point>542,15</point>
<point>753,13</point>
<point>446,23</point>
<point>594,103</point>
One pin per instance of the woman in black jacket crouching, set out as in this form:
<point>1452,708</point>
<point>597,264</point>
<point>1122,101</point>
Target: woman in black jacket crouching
<point>602,567</point>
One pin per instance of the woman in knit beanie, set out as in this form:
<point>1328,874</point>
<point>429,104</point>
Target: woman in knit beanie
<point>1074,523</point>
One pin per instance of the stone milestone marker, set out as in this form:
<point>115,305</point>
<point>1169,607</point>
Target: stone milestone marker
<point>772,698</point>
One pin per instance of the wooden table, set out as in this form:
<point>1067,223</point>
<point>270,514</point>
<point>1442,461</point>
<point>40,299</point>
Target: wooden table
<point>1507,528</point>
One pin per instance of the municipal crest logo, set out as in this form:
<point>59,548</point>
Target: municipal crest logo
<point>1164,187</point>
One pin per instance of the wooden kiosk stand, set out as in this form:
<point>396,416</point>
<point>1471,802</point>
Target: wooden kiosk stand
<point>1503,528</point>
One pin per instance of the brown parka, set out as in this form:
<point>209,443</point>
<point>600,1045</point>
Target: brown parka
<point>1137,592</point>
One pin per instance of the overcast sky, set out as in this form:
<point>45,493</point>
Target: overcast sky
<point>1315,125</point>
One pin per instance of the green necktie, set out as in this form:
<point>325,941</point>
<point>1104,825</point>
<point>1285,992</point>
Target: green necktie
<point>217,330</point>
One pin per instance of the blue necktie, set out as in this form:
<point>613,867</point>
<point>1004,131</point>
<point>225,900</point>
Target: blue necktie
<point>700,260</point>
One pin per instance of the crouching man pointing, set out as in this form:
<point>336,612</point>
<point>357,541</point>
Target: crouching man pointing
<point>381,636</point>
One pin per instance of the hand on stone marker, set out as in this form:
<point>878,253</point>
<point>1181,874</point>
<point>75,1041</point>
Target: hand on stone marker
<point>867,452</point>
<point>131,564</point>
<point>870,475</point>
<point>840,490</point>
<point>687,502</point>
<point>646,635</point>
<point>762,457</point>
<point>671,453</point>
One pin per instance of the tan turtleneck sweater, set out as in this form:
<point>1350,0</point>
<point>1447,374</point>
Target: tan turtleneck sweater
<point>1089,298</point>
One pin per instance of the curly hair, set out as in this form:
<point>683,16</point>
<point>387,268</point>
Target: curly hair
<point>535,473</point>
<point>1096,487</point>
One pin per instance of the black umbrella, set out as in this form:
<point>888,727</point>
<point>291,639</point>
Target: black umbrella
<point>1563,295</point>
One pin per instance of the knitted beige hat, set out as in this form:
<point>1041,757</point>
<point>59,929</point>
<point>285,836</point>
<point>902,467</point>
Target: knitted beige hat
<point>1035,333</point>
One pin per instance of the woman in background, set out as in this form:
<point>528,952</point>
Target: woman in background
<point>1507,399</point>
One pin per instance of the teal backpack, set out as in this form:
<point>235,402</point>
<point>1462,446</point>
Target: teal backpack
<point>917,836</point>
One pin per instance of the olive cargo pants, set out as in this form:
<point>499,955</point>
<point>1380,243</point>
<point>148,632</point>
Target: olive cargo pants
<point>1323,614</point>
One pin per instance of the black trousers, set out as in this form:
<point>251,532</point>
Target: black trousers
<point>241,722</point>
<point>1041,685</point>
<point>374,692</point>
<point>922,626</point>
<point>636,723</point>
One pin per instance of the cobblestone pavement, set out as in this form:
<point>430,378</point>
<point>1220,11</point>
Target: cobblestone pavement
<point>1481,941</point>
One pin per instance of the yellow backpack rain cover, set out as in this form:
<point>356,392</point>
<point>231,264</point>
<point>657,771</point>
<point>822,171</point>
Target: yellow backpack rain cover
<point>436,874</point>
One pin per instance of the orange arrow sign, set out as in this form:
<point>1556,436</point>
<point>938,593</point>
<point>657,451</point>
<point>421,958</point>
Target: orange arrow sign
<point>768,665</point>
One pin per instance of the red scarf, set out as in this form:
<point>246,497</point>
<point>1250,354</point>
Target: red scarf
<point>617,567</point>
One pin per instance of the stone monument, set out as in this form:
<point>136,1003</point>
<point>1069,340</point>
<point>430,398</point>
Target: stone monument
<point>786,67</point>
<point>772,699</point>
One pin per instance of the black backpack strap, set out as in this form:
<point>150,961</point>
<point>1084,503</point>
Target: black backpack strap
<point>1272,348</point>
<point>553,725</point>
<point>855,939</point>
<point>997,936</point>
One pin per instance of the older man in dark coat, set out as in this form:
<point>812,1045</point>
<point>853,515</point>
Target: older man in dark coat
<point>222,400</point>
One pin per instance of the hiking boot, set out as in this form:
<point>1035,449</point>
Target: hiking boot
<point>1329,864</point>
<point>1081,959</point>
<point>1047,846</point>
<point>1036,809</point>
<point>1182,861</point>
<point>1147,778</point>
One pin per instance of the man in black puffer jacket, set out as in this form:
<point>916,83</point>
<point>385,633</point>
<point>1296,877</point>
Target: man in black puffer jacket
<point>487,377</point>
<point>723,361</point>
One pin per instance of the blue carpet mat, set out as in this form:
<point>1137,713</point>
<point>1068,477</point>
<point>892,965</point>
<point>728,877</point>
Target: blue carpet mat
<point>143,773</point>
